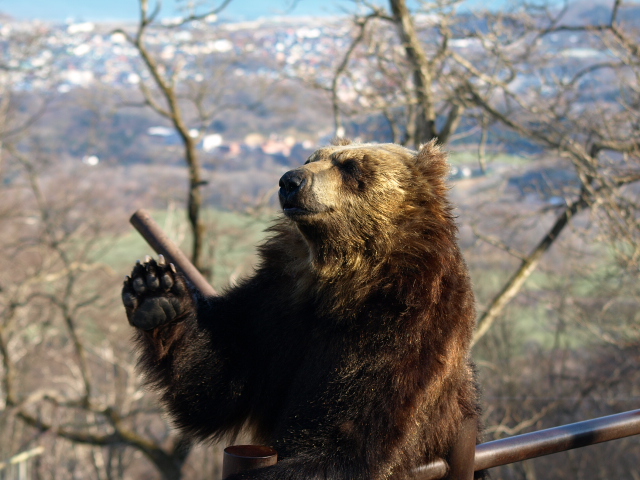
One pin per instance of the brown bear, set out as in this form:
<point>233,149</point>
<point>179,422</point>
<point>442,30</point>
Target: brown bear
<point>348,348</point>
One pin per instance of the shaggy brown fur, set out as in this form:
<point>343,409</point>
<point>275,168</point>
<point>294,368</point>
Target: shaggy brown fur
<point>348,349</point>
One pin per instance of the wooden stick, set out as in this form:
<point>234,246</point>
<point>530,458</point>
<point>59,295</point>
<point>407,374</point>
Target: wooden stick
<point>162,244</point>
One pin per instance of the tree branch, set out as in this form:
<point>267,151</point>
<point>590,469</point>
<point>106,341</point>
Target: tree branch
<point>530,263</point>
<point>335,101</point>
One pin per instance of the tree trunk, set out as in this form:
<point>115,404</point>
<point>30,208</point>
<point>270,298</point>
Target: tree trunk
<point>194,202</point>
<point>174,114</point>
<point>425,120</point>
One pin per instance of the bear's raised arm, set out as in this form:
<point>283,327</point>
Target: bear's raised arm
<point>201,353</point>
<point>348,348</point>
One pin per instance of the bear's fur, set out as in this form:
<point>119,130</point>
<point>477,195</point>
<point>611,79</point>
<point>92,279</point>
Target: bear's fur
<point>348,348</point>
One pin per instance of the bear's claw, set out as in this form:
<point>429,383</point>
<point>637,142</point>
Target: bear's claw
<point>154,294</point>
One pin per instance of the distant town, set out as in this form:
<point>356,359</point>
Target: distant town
<point>82,55</point>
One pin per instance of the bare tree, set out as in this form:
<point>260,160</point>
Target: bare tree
<point>397,68</point>
<point>164,93</point>
<point>600,140</point>
<point>426,71</point>
<point>81,390</point>
<point>438,86</point>
<point>23,48</point>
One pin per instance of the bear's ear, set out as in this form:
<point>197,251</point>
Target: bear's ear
<point>432,160</point>
<point>340,142</point>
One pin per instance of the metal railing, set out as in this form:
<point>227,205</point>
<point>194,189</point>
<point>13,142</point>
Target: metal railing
<point>544,442</point>
<point>17,467</point>
<point>487,455</point>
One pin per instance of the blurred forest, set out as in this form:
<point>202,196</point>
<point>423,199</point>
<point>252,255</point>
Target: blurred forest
<point>539,105</point>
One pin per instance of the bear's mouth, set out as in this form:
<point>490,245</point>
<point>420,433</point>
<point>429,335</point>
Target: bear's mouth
<point>293,211</point>
<point>298,205</point>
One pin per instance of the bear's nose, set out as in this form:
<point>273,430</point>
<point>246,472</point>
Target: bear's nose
<point>292,180</point>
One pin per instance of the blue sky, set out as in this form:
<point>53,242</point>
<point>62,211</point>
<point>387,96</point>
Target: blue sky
<point>95,10</point>
<point>104,10</point>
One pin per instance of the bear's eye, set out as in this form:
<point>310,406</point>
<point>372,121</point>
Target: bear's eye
<point>352,172</point>
<point>351,168</point>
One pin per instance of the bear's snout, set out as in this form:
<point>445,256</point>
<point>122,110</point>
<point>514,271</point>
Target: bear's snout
<point>292,194</point>
<point>291,181</point>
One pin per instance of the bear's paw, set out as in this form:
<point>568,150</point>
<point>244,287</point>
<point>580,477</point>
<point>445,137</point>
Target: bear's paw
<point>155,294</point>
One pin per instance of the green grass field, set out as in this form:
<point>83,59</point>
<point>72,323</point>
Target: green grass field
<point>230,244</point>
<point>231,248</point>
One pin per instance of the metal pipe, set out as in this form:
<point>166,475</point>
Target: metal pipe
<point>558,439</point>
<point>460,459</point>
<point>240,458</point>
<point>544,442</point>
<point>162,244</point>
<point>22,457</point>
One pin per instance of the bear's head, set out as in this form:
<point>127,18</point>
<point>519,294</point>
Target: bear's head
<point>365,218</point>
<point>356,197</point>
